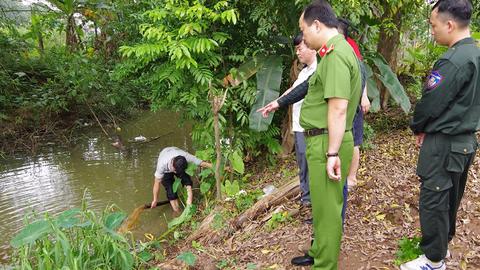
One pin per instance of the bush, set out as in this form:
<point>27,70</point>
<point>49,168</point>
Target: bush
<point>75,239</point>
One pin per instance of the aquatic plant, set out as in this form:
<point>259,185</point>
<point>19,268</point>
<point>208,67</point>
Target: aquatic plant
<point>76,239</point>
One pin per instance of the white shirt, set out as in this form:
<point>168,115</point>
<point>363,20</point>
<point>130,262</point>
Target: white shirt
<point>303,76</point>
<point>166,156</point>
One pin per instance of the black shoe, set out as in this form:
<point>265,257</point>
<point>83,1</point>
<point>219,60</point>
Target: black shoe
<point>303,260</point>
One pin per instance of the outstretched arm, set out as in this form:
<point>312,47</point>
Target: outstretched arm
<point>289,97</point>
<point>156,188</point>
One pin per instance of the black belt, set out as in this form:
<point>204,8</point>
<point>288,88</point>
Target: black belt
<point>317,131</point>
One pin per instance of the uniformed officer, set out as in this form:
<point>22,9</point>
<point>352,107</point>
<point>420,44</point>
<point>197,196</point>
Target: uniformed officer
<point>445,121</point>
<point>327,113</point>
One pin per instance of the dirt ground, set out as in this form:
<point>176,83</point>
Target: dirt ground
<point>382,209</point>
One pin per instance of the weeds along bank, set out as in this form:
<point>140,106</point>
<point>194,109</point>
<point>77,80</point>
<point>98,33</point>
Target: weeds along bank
<point>43,95</point>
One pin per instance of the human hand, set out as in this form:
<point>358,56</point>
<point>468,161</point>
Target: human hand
<point>420,138</point>
<point>334,171</point>
<point>270,107</point>
<point>365,104</point>
<point>153,204</point>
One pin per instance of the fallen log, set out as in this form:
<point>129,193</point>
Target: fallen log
<point>206,227</point>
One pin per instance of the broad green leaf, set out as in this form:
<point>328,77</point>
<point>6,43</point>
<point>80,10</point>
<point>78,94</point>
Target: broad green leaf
<point>191,169</point>
<point>114,220</point>
<point>68,218</point>
<point>231,188</point>
<point>269,78</point>
<point>31,232</point>
<point>205,187</point>
<point>176,184</point>
<point>205,173</point>
<point>391,82</point>
<point>237,162</point>
<point>372,89</point>
<point>188,258</point>
<point>127,259</point>
<point>185,216</point>
<point>246,70</point>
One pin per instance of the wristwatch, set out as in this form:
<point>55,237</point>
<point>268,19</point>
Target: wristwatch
<point>331,154</point>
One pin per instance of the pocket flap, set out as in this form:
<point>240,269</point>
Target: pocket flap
<point>463,148</point>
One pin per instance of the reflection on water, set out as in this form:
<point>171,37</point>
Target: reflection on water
<point>55,179</point>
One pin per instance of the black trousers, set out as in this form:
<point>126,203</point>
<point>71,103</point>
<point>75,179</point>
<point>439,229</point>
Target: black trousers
<point>443,166</point>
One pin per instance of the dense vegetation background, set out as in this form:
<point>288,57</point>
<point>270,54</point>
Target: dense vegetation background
<point>66,61</point>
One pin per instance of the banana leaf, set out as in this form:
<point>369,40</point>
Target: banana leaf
<point>269,78</point>
<point>245,71</point>
<point>391,82</point>
<point>372,89</point>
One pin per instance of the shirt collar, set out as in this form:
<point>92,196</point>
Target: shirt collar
<point>334,40</point>
<point>312,66</point>
<point>468,40</point>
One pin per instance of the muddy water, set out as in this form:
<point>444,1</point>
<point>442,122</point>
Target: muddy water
<point>55,179</point>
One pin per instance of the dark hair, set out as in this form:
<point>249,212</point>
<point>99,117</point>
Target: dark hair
<point>344,25</point>
<point>459,10</point>
<point>321,11</point>
<point>180,164</point>
<point>298,39</point>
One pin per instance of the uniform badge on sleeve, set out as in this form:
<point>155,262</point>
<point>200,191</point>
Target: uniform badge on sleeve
<point>433,80</point>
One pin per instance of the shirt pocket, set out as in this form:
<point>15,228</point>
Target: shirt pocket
<point>459,156</point>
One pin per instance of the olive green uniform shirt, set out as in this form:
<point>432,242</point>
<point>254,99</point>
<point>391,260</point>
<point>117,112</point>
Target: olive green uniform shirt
<point>337,76</point>
<point>450,103</point>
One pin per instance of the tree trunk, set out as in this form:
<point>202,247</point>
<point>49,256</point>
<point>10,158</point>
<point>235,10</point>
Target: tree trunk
<point>217,104</point>
<point>71,39</point>
<point>389,46</point>
<point>41,47</point>
<point>218,150</point>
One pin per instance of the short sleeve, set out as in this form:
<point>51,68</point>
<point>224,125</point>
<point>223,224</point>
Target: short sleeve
<point>158,172</point>
<point>337,78</point>
<point>193,159</point>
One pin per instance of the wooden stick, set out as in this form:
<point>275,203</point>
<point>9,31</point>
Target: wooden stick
<point>160,203</point>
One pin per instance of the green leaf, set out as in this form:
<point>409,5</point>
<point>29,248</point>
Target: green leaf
<point>269,78</point>
<point>476,35</point>
<point>114,220</point>
<point>145,256</point>
<point>231,188</point>
<point>68,218</point>
<point>185,216</point>
<point>191,169</point>
<point>31,232</point>
<point>188,258</point>
<point>205,187</point>
<point>176,184</point>
<point>237,162</point>
<point>247,70</point>
<point>391,82</point>
<point>205,173</point>
<point>372,89</point>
